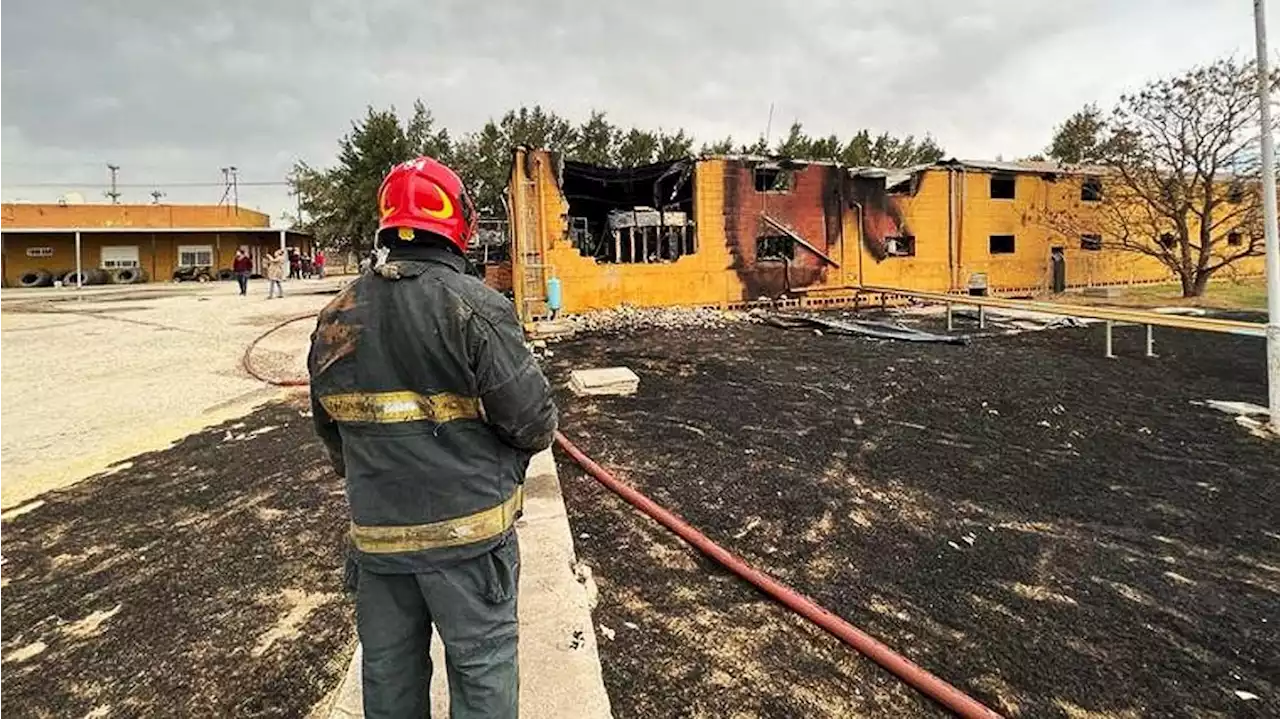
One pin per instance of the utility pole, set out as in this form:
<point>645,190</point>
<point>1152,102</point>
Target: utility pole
<point>230,186</point>
<point>1270,227</point>
<point>113,193</point>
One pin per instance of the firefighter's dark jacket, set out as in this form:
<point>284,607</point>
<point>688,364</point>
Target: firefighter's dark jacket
<point>427,399</point>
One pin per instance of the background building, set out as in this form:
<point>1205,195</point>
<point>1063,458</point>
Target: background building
<point>725,230</point>
<point>156,239</point>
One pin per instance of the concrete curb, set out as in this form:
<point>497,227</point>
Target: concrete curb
<point>559,665</point>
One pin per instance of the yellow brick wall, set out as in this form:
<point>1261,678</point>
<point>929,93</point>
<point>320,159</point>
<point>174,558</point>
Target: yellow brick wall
<point>948,251</point>
<point>1036,197</point>
<point>702,278</point>
<point>925,216</point>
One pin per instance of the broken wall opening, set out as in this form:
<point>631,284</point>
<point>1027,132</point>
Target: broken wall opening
<point>631,215</point>
<point>775,247</point>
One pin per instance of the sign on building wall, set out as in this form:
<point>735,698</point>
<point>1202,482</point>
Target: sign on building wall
<point>39,252</point>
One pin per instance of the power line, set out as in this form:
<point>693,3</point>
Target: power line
<point>80,163</point>
<point>103,185</point>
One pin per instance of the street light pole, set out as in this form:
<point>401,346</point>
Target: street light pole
<point>1270,227</point>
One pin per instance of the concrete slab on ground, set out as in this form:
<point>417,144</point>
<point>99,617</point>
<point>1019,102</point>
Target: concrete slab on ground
<point>604,381</point>
<point>559,664</point>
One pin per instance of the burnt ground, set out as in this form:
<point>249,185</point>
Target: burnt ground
<point>1055,533</point>
<point>196,581</point>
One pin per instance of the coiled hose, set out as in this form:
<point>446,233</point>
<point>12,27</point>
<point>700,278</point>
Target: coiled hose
<point>921,679</point>
<point>246,360</point>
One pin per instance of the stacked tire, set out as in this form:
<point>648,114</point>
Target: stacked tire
<point>35,278</point>
<point>128,276</point>
<point>86,277</point>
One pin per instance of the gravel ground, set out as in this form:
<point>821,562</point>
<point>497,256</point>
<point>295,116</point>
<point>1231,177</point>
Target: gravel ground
<point>90,383</point>
<point>1056,533</point>
<point>201,580</point>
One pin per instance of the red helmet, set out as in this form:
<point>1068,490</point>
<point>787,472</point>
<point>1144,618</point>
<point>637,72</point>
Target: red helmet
<point>425,195</point>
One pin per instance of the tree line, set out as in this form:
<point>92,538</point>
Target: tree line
<point>337,202</point>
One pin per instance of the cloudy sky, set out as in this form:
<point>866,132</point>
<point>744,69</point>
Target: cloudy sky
<point>174,91</point>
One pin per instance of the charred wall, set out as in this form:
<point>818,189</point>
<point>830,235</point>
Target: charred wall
<point>810,207</point>
<point>881,216</point>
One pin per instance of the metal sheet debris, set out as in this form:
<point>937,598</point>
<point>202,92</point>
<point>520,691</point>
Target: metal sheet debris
<point>878,330</point>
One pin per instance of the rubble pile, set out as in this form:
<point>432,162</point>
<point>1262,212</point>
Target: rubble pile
<point>631,319</point>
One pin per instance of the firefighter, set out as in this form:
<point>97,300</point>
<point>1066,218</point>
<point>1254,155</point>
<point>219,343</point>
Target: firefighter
<point>431,406</point>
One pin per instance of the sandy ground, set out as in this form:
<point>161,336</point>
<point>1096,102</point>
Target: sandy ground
<point>89,383</point>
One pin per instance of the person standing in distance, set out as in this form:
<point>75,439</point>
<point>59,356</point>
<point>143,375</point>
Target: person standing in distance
<point>430,405</point>
<point>242,265</point>
<point>276,269</point>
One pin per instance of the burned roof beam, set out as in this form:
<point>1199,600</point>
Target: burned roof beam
<point>799,240</point>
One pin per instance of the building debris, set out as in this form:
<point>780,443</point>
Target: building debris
<point>1251,416</point>
<point>619,381</point>
<point>633,319</point>
<point>1022,321</point>
<point>1234,407</point>
<point>551,330</point>
<point>877,330</point>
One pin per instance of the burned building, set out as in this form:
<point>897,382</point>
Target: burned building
<point>723,231</point>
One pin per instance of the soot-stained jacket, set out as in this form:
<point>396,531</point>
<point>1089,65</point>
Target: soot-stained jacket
<point>430,405</point>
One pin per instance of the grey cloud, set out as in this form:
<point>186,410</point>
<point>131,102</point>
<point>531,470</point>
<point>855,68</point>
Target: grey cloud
<point>172,91</point>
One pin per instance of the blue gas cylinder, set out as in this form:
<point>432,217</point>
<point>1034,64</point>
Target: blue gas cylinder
<point>553,294</point>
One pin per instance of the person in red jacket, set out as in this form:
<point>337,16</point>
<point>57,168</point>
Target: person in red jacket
<point>318,262</point>
<point>242,265</point>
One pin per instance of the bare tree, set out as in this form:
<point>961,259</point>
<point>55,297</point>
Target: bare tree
<point>1178,176</point>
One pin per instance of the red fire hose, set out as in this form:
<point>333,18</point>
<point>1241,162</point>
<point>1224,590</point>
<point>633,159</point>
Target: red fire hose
<point>928,684</point>
<point>247,359</point>
<point>909,672</point>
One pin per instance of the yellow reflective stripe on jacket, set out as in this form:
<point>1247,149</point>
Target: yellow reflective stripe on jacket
<point>472,528</point>
<point>402,406</point>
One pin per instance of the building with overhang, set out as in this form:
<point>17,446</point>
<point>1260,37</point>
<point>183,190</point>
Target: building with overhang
<point>101,242</point>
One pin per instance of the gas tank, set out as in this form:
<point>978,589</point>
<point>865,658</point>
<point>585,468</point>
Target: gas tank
<point>553,294</point>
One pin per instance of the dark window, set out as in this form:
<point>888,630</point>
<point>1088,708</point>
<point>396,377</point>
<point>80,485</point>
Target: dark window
<point>1091,242</point>
<point>1167,240</point>
<point>904,246</point>
<point>772,179</point>
<point>1001,244</point>
<point>1235,193</point>
<point>775,247</point>
<point>580,235</point>
<point>1235,239</point>
<point>1002,187</point>
<point>1091,189</point>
